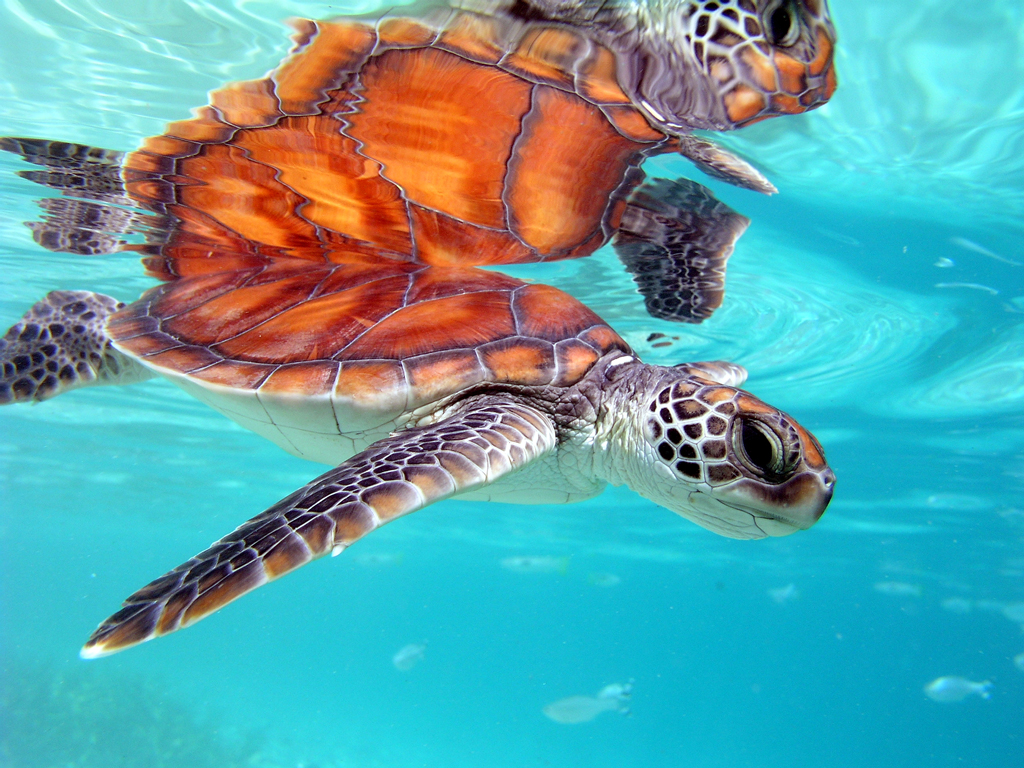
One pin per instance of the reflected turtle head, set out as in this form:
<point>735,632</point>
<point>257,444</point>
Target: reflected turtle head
<point>712,64</point>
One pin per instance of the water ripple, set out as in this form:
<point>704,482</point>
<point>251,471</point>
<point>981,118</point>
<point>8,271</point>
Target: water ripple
<point>804,325</point>
<point>929,111</point>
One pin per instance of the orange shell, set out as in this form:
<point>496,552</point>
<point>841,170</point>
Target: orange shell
<point>466,141</point>
<point>364,332</point>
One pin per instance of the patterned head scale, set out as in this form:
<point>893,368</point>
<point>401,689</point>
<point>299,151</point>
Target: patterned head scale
<point>714,64</point>
<point>736,465</point>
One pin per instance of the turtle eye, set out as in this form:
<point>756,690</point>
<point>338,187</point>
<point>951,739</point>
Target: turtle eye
<point>780,23</point>
<point>760,449</point>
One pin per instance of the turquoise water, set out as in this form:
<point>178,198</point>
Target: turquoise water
<point>879,298</point>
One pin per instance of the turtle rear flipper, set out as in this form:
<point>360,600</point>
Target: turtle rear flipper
<point>489,438</point>
<point>60,344</point>
<point>675,239</point>
<point>99,212</point>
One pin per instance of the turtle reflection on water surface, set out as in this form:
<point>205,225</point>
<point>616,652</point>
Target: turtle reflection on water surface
<point>463,138</point>
<point>320,303</point>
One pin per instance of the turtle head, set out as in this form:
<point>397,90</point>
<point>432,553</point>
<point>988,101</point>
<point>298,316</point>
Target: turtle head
<point>711,64</point>
<point>722,458</point>
<point>723,64</point>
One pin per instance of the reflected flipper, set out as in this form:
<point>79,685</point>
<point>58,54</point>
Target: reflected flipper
<point>719,163</point>
<point>675,239</point>
<point>717,371</point>
<point>95,212</point>
<point>76,170</point>
<point>486,439</point>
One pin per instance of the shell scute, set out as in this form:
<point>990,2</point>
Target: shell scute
<point>334,51</point>
<point>334,186</point>
<point>248,104</point>
<point>446,241</point>
<point>596,78</point>
<point>148,343</point>
<point>156,156</point>
<point>452,322</point>
<point>235,312</point>
<point>167,302</point>
<point>130,322</point>
<point>151,191</point>
<point>547,313</point>
<point>380,382</point>
<point>184,359</point>
<point>547,55</point>
<point>318,328</point>
<point>546,173</point>
<point>205,127</point>
<point>404,33</point>
<point>436,375</point>
<point>519,360</point>
<point>302,379</point>
<point>573,359</point>
<point>478,38</point>
<point>423,125</point>
<point>234,374</point>
<point>603,339</point>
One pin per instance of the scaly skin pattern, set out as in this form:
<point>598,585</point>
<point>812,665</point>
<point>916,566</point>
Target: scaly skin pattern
<point>485,439</point>
<point>61,344</point>
<point>706,64</point>
<point>689,440</point>
<point>696,445</point>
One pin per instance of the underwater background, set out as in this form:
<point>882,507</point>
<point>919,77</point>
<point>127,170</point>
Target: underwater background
<point>879,298</point>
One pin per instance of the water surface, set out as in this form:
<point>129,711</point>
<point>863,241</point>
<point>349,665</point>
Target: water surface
<point>879,298</point>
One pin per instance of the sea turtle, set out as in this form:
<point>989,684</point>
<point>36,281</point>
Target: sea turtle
<point>505,131</point>
<point>304,300</point>
<point>419,383</point>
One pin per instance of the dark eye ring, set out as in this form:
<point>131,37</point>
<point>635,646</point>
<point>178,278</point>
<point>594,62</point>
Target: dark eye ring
<point>781,24</point>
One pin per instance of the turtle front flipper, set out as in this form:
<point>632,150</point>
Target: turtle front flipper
<point>95,211</point>
<point>489,437</point>
<point>719,163</point>
<point>61,344</point>
<point>675,238</point>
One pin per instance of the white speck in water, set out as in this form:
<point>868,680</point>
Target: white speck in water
<point>604,579</point>
<point>583,709</point>
<point>409,656</point>
<point>945,263</point>
<point>970,245</point>
<point>379,558</point>
<point>783,595</point>
<point>972,286</point>
<point>948,690</point>
<point>898,588</point>
<point>1014,612</point>
<point>536,564</point>
<point>957,605</point>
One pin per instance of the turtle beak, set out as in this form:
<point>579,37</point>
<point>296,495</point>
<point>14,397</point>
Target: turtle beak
<point>792,506</point>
